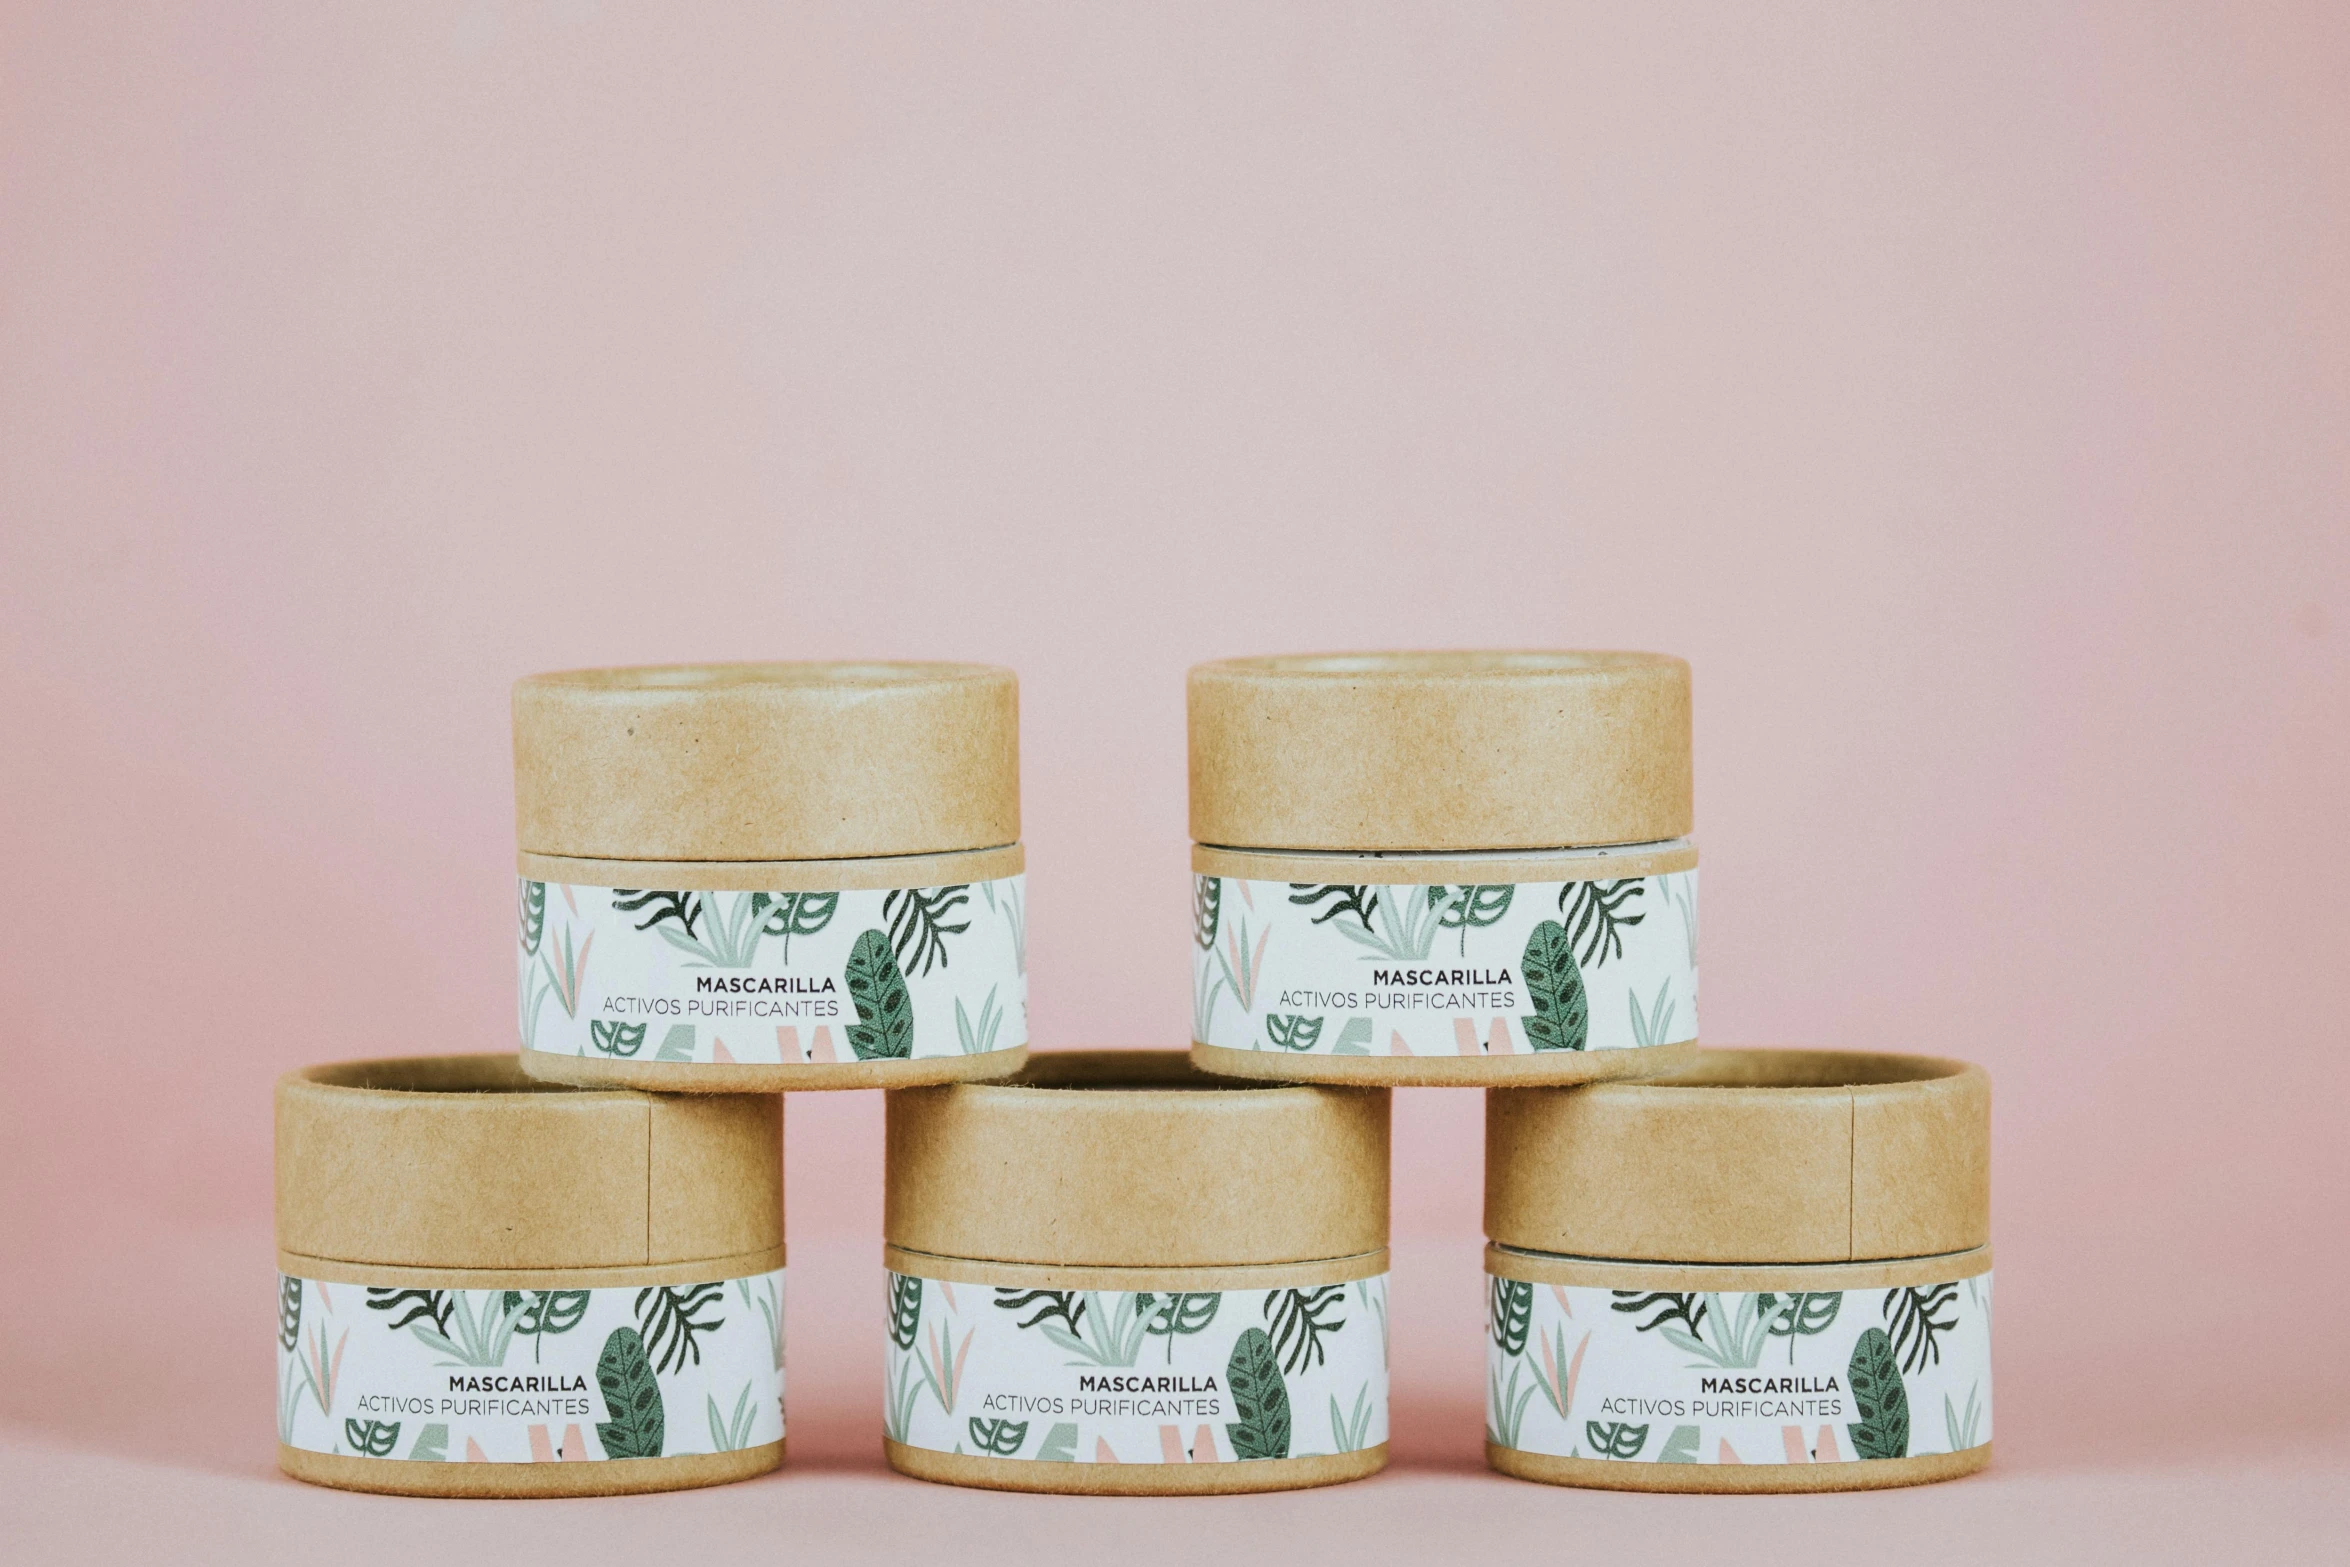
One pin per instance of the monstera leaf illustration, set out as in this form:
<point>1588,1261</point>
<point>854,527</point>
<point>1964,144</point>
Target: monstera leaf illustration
<point>905,1310</point>
<point>546,1312</point>
<point>1883,1428</point>
<point>1616,1438</point>
<point>1562,1014</point>
<point>1258,1397</point>
<point>289,1312</point>
<point>884,1030</point>
<point>1207,910</point>
<point>533,916</point>
<point>631,1396</point>
<point>1293,1033</point>
<point>1509,1313</point>
<point>375,1438</point>
<point>1003,1438</point>
<point>616,1039</point>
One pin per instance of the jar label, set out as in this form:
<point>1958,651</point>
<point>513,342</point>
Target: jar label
<point>530,1376</point>
<point>1136,1377</point>
<point>767,978</point>
<point>1509,969</point>
<point>1650,1376</point>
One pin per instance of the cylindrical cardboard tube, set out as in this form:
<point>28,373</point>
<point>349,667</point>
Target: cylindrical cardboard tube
<point>1440,752</point>
<point>762,877</point>
<point>1448,869</point>
<point>1768,1272</point>
<point>1119,1275</point>
<point>493,1287</point>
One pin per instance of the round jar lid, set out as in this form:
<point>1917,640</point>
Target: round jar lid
<point>1400,752</point>
<point>1747,1156</point>
<point>462,1162</point>
<point>767,761</point>
<point>1130,1158</point>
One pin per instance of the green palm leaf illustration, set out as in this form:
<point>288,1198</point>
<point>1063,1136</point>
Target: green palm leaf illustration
<point>1509,1313</point>
<point>533,912</point>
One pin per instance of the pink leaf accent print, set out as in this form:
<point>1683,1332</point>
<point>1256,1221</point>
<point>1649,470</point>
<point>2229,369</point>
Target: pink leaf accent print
<point>473,1452</point>
<point>1171,1445</point>
<point>320,1286</point>
<point>569,901</point>
<point>1395,1044</point>
<point>948,1290</point>
<point>1728,1454</point>
<point>1829,1452</point>
<point>719,1053</point>
<point>1464,1035</point>
<point>1792,1436</point>
<point>574,1448</point>
<point>542,1451</point>
<point>1559,1293</point>
<point>1503,1043</point>
<point>1101,1451</point>
<point>787,1044</point>
<point>1203,1447</point>
<point>821,1049</point>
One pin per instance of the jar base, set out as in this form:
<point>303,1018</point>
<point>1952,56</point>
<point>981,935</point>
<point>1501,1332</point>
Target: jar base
<point>1601,1474</point>
<point>1017,1474</point>
<point>682,1077</point>
<point>1555,1068</point>
<point>608,1477</point>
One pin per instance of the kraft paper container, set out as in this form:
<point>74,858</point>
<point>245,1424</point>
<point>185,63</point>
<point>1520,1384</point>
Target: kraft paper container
<point>495,1287</point>
<point>1768,1272</point>
<point>1443,868</point>
<point>1120,1276</point>
<point>758,877</point>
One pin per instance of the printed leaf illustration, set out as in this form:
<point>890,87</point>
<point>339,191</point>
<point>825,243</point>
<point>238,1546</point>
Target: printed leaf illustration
<point>1207,909</point>
<point>1003,1438</point>
<point>672,1317</point>
<point>1595,919</point>
<point>1177,1316</point>
<point>1293,1033</point>
<point>1562,1014</point>
<point>1801,1315</point>
<point>1355,1038</point>
<point>371,1437</point>
<point>616,1039</point>
<point>1680,1447</point>
<point>1883,1428</point>
<point>289,1312</point>
<point>533,913</point>
<point>1067,1305</point>
<point>1688,1309</point>
<point>918,927</point>
<point>677,1044</point>
<point>1059,1445</point>
<point>414,1305</point>
<point>731,1433</point>
<point>432,1445</point>
<point>1330,902</point>
<point>1259,1397</point>
<point>631,1396</point>
<point>1963,1428</point>
<point>1350,1430</point>
<point>1505,1407</point>
<point>1300,1319</point>
<point>1471,908</point>
<point>546,1311</point>
<point>1615,1439</point>
<point>905,1310</point>
<point>790,914</point>
<point>684,908</point>
<point>884,1029</point>
<point>1509,1312</point>
<point>978,1038</point>
<point>1915,1317</point>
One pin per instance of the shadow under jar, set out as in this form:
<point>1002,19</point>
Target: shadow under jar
<point>752,878</point>
<point>494,1287</point>
<point>1120,1276</point>
<point>1464,869</point>
<point>1768,1272</point>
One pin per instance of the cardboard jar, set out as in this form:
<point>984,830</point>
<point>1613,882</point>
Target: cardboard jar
<point>1768,1272</point>
<point>745,878</point>
<point>1119,1276</point>
<point>1442,868</point>
<point>495,1287</point>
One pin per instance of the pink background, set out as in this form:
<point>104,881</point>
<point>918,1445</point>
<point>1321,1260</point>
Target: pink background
<point>1962,393</point>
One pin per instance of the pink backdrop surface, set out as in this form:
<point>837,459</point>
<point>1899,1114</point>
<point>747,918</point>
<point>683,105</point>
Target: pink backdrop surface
<point>1961,391</point>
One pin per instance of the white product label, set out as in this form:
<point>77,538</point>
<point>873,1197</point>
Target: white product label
<point>530,1376</point>
<point>1124,1377</point>
<point>1508,969</point>
<point>1832,1376</point>
<point>761,978</point>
